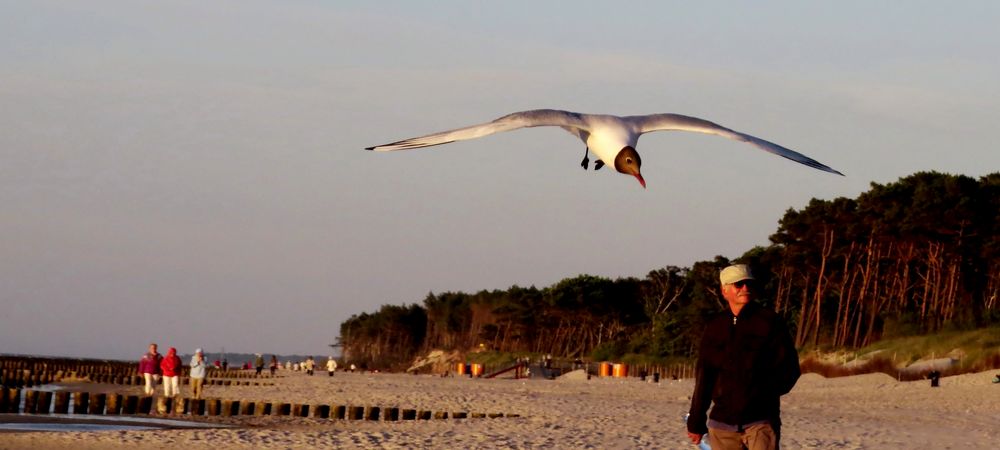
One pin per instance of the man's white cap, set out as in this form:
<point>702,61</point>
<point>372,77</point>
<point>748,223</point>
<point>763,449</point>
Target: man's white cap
<point>734,273</point>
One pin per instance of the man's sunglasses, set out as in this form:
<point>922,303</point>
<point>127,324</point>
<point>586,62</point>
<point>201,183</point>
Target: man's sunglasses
<point>743,283</point>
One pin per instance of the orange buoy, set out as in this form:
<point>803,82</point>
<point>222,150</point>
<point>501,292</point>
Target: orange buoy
<point>620,370</point>
<point>604,369</point>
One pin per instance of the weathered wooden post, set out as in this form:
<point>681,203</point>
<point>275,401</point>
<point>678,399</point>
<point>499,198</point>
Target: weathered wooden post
<point>281,409</point>
<point>322,412</point>
<point>230,407</point>
<point>212,406</point>
<point>262,409</point>
<point>300,410</point>
<point>44,405</point>
<point>459,415</point>
<point>130,405</point>
<point>145,405</point>
<point>424,415</point>
<point>440,415</point>
<point>355,412</point>
<point>97,402</point>
<point>392,414</point>
<point>197,407</point>
<point>81,402</point>
<point>30,400</point>
<point>61,405</point>
<point>114,404</point>
<point>478,415</point>
<point>247,408</point>
<point>180,405</point>
<point>372,412</point>
<point>409,414</point>
<point>494,415</point>
<point>13,400</point>
<point>340,412</point>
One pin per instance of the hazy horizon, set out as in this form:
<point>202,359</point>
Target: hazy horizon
<point>193,173</point>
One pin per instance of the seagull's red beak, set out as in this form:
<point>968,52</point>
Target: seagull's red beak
<point>638,176</point>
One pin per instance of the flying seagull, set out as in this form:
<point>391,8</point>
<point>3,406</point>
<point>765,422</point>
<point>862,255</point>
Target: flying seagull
<point>611,138</point>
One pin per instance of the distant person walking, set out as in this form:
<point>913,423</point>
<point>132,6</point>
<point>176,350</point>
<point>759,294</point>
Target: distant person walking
<point>259,363</point>
<point>171,367</point>
<point>274,364</point>
<point>198,367</point>
<point>746,362</point>
<point>149,369</point>
<point>331,366</point>
<point>309,365</point>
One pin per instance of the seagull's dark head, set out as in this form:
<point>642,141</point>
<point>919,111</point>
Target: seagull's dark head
<point>628,162</point>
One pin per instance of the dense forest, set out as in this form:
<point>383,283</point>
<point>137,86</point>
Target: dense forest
<point>911,257</point>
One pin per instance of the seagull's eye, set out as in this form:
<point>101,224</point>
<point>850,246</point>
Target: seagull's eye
<point>628,160</point>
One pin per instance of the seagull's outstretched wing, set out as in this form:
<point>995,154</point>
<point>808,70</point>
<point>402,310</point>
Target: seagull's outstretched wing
<point>534,118</point>
<point>677,122</point>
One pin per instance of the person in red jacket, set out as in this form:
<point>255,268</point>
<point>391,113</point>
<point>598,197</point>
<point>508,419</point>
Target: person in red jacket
<point>171,367</point>
<point>149,369</point>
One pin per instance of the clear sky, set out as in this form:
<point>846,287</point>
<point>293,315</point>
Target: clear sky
<point>193,173</point>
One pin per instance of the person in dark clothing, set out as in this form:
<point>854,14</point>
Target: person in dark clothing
<point>746,362</point>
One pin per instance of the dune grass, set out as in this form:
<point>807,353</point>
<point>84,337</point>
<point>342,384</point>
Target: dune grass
<point>971,351</point>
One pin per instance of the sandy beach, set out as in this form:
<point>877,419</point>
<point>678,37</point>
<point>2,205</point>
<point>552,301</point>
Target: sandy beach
<point>861,412</point>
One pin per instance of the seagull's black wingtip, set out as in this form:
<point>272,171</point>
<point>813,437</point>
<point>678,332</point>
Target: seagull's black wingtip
<point>369,148</point>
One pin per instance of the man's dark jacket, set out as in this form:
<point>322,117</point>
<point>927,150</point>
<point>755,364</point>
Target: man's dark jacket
<point>745,364</point>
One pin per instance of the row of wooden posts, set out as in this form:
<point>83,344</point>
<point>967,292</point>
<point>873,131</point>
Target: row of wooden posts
<point>30,371</point>
<point>17,378</point>
<point>59,402</point>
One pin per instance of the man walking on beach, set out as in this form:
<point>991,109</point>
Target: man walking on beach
<point>746,362</point>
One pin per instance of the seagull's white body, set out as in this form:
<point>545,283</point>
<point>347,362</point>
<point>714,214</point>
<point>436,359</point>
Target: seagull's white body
<point>605,135</point>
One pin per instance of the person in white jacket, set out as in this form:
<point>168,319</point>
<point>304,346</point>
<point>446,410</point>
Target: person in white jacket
<point>331,366</point>
<point>197,373</point>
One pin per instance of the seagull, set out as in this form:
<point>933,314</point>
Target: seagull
<point>611,138</point>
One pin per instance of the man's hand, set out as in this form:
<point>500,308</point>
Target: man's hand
<point>694,437</point>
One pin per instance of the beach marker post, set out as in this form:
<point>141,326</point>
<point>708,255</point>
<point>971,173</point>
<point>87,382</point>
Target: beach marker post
<point>114,404</point>
<point>61,405</point>
<point>145,405</point>
<point>130,405</point>
<point>97,402</point>
<point>30,400</point>
<point>197,407</point>
<point>300,410</point>
<point>81,402</point>
<point>212,406</point>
